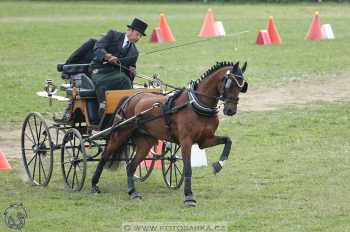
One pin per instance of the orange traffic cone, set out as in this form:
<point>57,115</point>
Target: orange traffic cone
<point>314,32</point>
<point>208,27</point>
<point>4,164</point>
<point>157,36</point>
<point>263,38</point>
<point>155,151</point>
<point>273,33</point>
<point>165,29</point>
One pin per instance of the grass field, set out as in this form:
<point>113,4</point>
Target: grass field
<point>288,168</point>
<point>36,36</point>
<point>288,172</point>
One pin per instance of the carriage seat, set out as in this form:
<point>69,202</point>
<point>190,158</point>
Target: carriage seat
<point>78,74</point>
<point>71,69</point>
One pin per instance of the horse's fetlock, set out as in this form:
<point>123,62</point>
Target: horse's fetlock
<point>216,167</point>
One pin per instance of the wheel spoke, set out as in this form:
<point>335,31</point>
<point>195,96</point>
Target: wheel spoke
<point>25,134</point>
<point>70,169</point>
<point>32,159</point>
<point>42,166</point>
<point>166,172</point>
<point>36,129</point>
<point>34,167</point>
<point>175,174</point>
<point>171,173</point>
<point>44,140</point>
<point>31,131</point>
<point>177,148</point>
<point>74,146</point>
<point>39,134</point>
<point>79,150</point>
<point>39,169</point>
<point>73,178</point>
<point>178,169</point>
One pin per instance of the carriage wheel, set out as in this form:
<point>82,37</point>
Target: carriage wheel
<point>173,171</point>
<point>73,160</point>
<point>145,168</point>
<point>56,135</point>
<point>37,149</point>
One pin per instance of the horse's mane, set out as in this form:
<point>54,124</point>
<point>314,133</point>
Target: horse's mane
<point>215,67</point>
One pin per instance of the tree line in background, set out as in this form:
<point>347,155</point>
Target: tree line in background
<point>207,1</point>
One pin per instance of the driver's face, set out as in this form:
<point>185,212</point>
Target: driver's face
<point>133,35</point>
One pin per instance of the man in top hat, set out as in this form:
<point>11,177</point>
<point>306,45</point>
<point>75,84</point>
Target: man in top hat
<point>115,60</point>
<point>114,63</point>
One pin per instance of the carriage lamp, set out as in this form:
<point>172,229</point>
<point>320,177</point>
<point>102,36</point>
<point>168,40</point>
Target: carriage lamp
<point>50,89</point>
<point>156,82</point>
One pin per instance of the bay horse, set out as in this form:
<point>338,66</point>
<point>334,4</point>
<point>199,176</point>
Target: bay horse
<point>186,117</point>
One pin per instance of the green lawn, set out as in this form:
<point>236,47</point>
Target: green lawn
<point>288,169</point>
<point>35,36</point>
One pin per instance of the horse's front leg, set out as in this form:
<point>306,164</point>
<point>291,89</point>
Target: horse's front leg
<point>186,156</point>
<point>216,140</point>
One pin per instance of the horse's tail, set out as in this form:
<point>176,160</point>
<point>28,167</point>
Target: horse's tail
<point>121,154</point>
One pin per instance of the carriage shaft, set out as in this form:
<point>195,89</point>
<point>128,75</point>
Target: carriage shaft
<point>123,123</point>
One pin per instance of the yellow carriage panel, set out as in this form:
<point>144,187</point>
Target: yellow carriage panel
<point>113,97</point>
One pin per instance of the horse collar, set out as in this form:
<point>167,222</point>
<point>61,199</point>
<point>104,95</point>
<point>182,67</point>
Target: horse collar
<point>197,106</point>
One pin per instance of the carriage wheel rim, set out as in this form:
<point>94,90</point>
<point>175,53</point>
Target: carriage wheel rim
<point>170,169</point>
<point>74,168</point>
<point>35,130</point>
<point>138,175</point>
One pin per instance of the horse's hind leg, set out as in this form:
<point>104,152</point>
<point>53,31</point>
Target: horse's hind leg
<point>113,144</point>
<point>143,145</point>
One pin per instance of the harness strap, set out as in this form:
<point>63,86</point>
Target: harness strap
<point>168,109</point>
<point>121,109</point>
<point>197,106</point>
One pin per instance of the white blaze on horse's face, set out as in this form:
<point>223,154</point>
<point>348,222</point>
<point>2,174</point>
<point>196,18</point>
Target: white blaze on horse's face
<point>231,88</point>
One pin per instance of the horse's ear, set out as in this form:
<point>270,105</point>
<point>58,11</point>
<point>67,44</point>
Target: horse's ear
<point>244,67</point>
<point>235,67</point>
<point>245,87</point>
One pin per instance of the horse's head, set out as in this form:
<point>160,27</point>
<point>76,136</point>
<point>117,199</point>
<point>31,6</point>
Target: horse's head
<point>232,84</point>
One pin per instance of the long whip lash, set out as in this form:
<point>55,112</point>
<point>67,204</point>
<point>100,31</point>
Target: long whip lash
<point>145,77</point>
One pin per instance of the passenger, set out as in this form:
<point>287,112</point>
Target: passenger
<point>114,64</point>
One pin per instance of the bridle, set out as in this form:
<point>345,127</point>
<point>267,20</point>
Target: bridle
<point>228,80</point>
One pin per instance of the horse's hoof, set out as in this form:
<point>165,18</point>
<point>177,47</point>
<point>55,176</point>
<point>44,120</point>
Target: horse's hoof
<point>135,196</point>
<point>190,201</point>
<point>95,190</point>
<point>216,167</point>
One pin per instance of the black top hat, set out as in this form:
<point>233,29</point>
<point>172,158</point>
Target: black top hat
<point>139,26</point>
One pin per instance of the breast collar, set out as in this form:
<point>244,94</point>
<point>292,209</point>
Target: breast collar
<point>196,105</point>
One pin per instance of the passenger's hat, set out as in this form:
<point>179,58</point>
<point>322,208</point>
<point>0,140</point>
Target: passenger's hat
<point>139,25</point>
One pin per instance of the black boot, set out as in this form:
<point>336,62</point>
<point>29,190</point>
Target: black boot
<point>67,114</point>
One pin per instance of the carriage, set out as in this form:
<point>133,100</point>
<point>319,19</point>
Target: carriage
<point>179,119</point>
<point>83,139</point>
